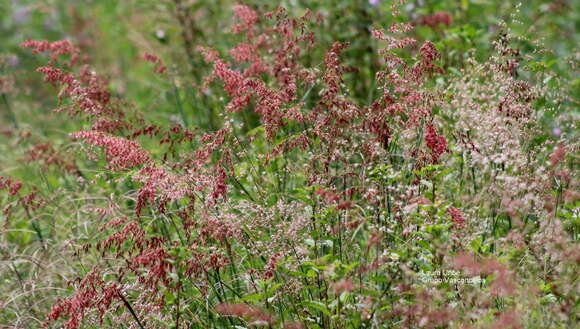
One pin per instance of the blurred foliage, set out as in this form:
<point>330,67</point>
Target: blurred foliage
<point>115,34</point>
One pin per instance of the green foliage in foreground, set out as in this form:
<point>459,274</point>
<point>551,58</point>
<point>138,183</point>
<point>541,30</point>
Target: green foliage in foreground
<point>308,184</point>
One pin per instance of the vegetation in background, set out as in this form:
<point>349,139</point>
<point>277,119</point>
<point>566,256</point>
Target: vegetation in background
<point>299,164</point>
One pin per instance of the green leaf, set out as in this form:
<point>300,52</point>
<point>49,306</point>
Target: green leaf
<point>252,298</point>
<point>273,289</point>
<point>317,306</point>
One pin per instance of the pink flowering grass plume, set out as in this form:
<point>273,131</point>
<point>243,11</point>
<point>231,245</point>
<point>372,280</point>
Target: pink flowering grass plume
<point>92,292</point>
<point>456,217</point>
<point>436,143</point>
<point>343,285</point>
<point>56,49</point>
<point>503,283</point>
<point>47,154</point>
<point>158,185</point>
<point>558,155</point>
<point>11,185</point>
<point>293,325</point>
<point>120,153</point>
<point>86,92</point>
<point>248,18</point>
<point>253,315</point>
<point>159,66</point>
<point>436,20</point>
